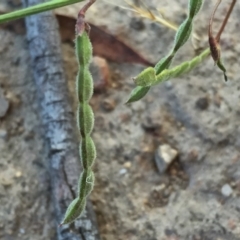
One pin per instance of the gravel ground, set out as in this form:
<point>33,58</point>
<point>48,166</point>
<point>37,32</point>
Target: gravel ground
<point>197,114</point>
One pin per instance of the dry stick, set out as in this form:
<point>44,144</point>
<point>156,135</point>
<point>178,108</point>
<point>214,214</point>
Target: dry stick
<point>57,117</point>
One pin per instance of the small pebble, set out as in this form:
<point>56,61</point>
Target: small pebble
<point>127,164</point>
<point>101,73</point>
<point>109,104</point>
<point>123,171</point>
<point>226,190</point>
<point>168,84</point>
<point>164,156</point>
<point>3,134</point>
<point>22,230</point>
<point>18,174</point>
<point>202,103</point>
<point>137,24</point>
<point>4,105</point>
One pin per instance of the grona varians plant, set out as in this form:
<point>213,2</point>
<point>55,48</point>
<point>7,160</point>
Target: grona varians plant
<point>144,81</point>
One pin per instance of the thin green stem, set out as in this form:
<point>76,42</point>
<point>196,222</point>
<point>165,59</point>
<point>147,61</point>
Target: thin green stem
<point>36,9</point>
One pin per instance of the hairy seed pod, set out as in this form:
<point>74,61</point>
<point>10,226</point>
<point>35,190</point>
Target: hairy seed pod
<point>174,72</point>
<point>83,49</point>
<point>146,78</point>
<point>183,34</point>
<point>138,93</point>
<point>86,182</point>
<point>75,209</point>
<point>89,182</point>
<point>87,152</point>
<point>84,81</point>
<point>85,119</point>
<point>182,68</point>
<point>164,63</point>
<point>194,7</point>
<point>85,116</point>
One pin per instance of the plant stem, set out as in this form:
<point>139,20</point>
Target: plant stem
<point>210,33</point>
<point>50,5</point>
<point>225,20</point>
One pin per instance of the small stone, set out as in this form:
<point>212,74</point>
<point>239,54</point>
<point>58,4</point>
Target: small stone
<point>127,164</point>
<point>109,104</point>
<point>22,230</point>
<point>101,73</point>
<point>168,85</point>
<point>137,24</point>
<point>13,98</point>
<point>18,174</point>
<point>4,105</point>
<point>202,103</point>
<point>3,134</point>
<point>226,190</point>
<point>164,156</point>
<point>123,171</point>
<point>6,182</point>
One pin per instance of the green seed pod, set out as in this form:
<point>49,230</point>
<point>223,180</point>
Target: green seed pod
<point>82,185</point>
<point>182,68</point>
<point>84,84</point>
<point>74,210</point>
<point>183,34</point>
<point>85,119</point>
<point>89,182</point>
<point>194,7</point>
<point>87,152</point>
<point>86,182</point>
<point>164,63</point>
<point>138,93</point>
<point>85,116</point>
<point>146,77</point>
<point>83,49</point>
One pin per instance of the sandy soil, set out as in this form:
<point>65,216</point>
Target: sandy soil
<point>198,115</point>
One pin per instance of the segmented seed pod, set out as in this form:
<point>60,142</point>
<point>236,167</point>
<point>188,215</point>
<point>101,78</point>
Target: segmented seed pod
<point>74,210</point>
<point>145,79</point>
<point>85,122</point>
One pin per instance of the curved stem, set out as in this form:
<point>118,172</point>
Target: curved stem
<point>225,20</point>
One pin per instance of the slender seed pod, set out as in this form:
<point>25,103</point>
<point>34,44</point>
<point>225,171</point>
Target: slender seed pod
<point>87,152</point>
<point>84,81</point>
<point>138,93</point>
<point>85,118</point>
<point>194,7</point>
<point>83,49</point>
<point>146,79</point>
<point>90,182</point>
<point>74,210</point>
<point>173,72</point>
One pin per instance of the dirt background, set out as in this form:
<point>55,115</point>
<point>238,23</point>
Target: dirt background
<point>198,115</point>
